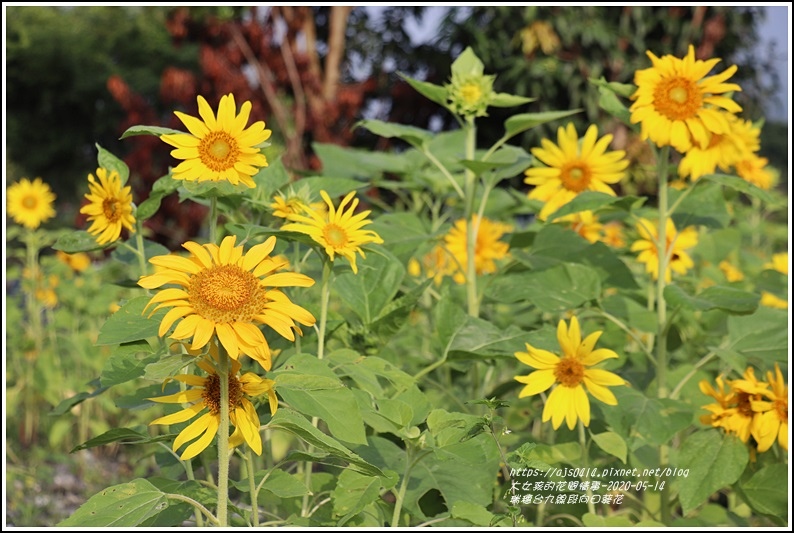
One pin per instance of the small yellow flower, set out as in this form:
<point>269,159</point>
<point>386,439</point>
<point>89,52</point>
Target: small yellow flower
<point>779,262</point>
<point>79,262</point>
<point>770,300</point>
<point>723,150</point>
<point>338,230</point>
<point>677,245</point>
<point>568,400</point>
<point>219,148</point>
<point>613,234</point>
<point>718,411</point>
<point>109,208</point>
<point>585,223</point>
<point>731,272</point>
<point>30,202</point>
<point>488,247</point>
<point>755,170</point>
<point>224,292</point>
<point>771,417</point>
<point>571,168</point>
<point>205,398</point>
<point>283,206</point>
<point>436,264</point>
<point>677,105</point>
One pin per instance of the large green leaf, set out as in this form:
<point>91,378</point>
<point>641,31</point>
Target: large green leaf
<point>741,185</point>
<point>353,492</point>
<point>714,460</point>
<point>411,134</point>
<point>369,291</point>
<point>125,364</point>
<point>612,443</point>
<point>76,241</point>
<point>130,324</point>
<point>308,385</point>
<point>291,421</point>
<point>728,299</point>
<point>559,288</point>
<point>333,185</point>
<point>767,491</point>
<point>278,483</point>
<point>595,200</point>
<point>167,366</point>
<point>435,93</point>
<point>705,206</point>
<point>107,160</point>
<point>125,505</point>
<point>370,373</point>
<point>123,435</point>
<point>344,162</point>
<point>761,337</point>
<point>524,121</point>
<point>148,130</point>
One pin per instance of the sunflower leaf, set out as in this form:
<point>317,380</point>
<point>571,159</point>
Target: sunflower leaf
<point>76,241</point>
<point>130,323</point>
<point>125,505</point>
<point>148,130</point>
<point>107,160</point>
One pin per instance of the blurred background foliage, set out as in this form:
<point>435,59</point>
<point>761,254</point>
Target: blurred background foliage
<point>77,76</point>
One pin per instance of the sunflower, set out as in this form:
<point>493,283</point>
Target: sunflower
<point>718,411</point>
<point>741,418</point>
<point>79,262</point>
<point>755,169</point>
<point>723,150</point>
<point>770,300</point>
<point>613,234</point>
<point>677,105</point>
<point>571,169</point>
<point>568,400</point>
<point>205,398</point>
<point>772,416</point>
<point>731,272</point>
<point>779,262</point>
<point>222,291</point>
<point>30,202</point>
<point>678,243</point>
<point>219,148</point>
<point>284,206</point>
<point>436,264</point>
<point>338,230</point>
<point>487,248</point>
<point>110,206</point>
<point>585,223</point>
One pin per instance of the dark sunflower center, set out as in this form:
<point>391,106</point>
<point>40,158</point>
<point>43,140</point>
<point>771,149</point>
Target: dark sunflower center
<point>677,98</point>
<point>111,207</point>
<point>212,393</point>
<point>575,177</point>
<point>569,372</point>
<point>218,151</point>
<point>744,406</point>
<point>781,407</point>
<point>226,294</point>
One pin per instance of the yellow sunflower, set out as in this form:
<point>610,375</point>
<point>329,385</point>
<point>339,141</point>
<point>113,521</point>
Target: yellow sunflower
<point>436,264</point>
<point>79,262</point>
<point>487,249</point>
<point>30,202</point>
<point>219,148</point>
<point>568,400</point>
<point>224,292</point>
<point>284,206</point>
<point>572,168</point>
<point>677,105</point>
<point>723,150</point>
<point>585,223</point>
<point>338,230</point>
<point>205,398</point>
<point>678,243</point>
<point>779,262</point>
<point>110,206</point>
<point>613,234</point>
<point>718,411</point>
<point>740,418</point>
<point>770,300</point>
<point>772,416</point>
<point>756,170</point>
<point>731,272</point>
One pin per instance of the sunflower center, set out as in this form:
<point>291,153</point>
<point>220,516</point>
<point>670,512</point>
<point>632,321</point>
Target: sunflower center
<point>575,177</point>
<point>471,93</point>
<point>677,98</point>
<point>744,406</point>
<point>30,202</point>
<point>111,209</point>
<point>781,407</point>
<point>226,293</point>
<point>335,236</point>
<point>218,151</point>
<point>569,372</point>
<point>212,393</point>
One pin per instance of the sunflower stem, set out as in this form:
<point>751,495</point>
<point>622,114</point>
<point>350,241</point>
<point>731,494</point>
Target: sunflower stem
<point>223,437</point>
<point>213,220</point>
<point>661,308</point>
<point>472,227</point>
<point>585,452</point>
<point>139,243</point>
<point>34,312</point>
<point>325,295</point>
<point>249,463</point>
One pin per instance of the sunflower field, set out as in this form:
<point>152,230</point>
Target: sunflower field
<point>415,337</point>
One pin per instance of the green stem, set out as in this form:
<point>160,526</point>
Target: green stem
<point>196,505</point>
<point>472,226</point>
<point>249,462</point>
<point>661,309</point>
<point>34,312</point>
<point>585,452</point>
<point>398,504</point>
<point>325,296</point>
<point>213,220</point>
<point>139,243</point>
<point>705,359</point>
<point>433,159</point>
<point>223,438</point>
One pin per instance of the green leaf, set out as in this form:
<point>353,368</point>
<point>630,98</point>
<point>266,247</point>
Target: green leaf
<point>392,317</point>
<point>335,187</point>
<point>417,137</point>
<point>761,337</point>
<point>476,515</point>
<point>148,130</point>
<point>524,121</point>
<point>371,374</point>
<point>467,64</point>
<point>78,398</point>
<point>210,189</point>
<point>705,206</point>
<point>594,520</point>
<point>125,505</point>
<point>353,492</point>
<point>431,91</point>
<point>294,423</point>
<point>479,339</point>
<point>149,207</point>
<point>377,282</point>
<point>278,483</point>
<point>167,366</point>
<point>125,365</point>
<point>626,90</point>
<point>122,435</point>
<point>559,288</point>
<point>130,324</point>
<point>107,160</point>
<point>715,460</point>
<point>741,185</point>
<point>728,299</point>
<point>77,241</point>
<point>641,420</point>
<point>595,200</point>
<point>405,232</point>
<point>356,163</point>
<point>767,491</point>
<point>150,249</point>
<point>509,100</point>
<point>308,385</point>
<point>612,443</point>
